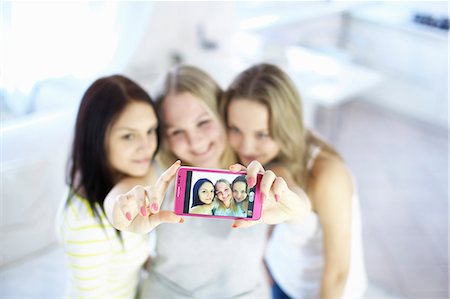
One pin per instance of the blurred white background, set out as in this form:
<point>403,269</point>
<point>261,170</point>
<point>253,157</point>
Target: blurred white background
<point>373,78</point>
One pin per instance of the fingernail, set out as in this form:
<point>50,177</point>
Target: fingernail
<point>154,207</point>
<point>234,226</point>
<point>251,181</point>
<point>143,211</point>
<point>181,220</point>
<point>128,215</point>
<point>277,197</point>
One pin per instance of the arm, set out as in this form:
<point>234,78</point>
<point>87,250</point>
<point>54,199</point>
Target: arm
<point>331,193</point>
<point>267,273</point>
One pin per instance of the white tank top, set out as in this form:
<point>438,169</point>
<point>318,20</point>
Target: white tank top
<point>295,258</point>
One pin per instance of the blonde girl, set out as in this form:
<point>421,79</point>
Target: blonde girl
<point>323,257</point>
<point>189,261</point>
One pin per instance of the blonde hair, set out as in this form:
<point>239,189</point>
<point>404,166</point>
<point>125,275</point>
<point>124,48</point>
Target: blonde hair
<point>221,206</point>
<point>198,83</point>
<point>269,85</point>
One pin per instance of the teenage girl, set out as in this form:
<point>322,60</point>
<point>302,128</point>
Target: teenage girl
<point>322,258</point>
<point>190,257</point>
<point>115,137</point>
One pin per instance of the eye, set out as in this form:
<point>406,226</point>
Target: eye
<point>129,136</point>
<point>151,131</point>
<point>262,135</point>
<point>175,133</point>
<point>204,122</point>
<point>234,130</point>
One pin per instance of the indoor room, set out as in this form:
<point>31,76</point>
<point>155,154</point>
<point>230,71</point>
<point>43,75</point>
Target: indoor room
<point>373,83</point>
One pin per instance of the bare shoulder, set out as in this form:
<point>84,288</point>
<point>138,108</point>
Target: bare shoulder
<point>330,177</point>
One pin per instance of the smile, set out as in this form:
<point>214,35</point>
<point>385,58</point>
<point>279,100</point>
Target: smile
<point>205,152</point>
<point>141,161</point>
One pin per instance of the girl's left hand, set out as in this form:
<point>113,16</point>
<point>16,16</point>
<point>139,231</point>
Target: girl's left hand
<point>280,204</point>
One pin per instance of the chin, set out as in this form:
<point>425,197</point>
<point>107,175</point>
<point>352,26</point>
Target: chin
<point>204,164</point>
<point>139,173</point>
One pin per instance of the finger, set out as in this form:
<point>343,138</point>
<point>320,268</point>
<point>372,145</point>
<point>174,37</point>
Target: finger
<point>140,200</point>
<point>240,223</point>
<point>252,170</point>
<point>162,184</point>
<point>164,217</point>
<point>237,167</point>
<point>266,184</point>
<point>279,186</point>
<point>152,204</point>
<point>127,206</point>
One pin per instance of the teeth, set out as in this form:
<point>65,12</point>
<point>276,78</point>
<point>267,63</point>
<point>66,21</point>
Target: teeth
<point>203,152</point>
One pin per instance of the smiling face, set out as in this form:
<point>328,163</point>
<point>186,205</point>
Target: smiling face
<point>194,134</point>
<point>131,141</point>
<point>223,193</point>
<point>249,136</point>
<point>239,191</point>
<point>206,193</point>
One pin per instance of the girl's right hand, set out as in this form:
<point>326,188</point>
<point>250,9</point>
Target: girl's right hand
<point>138,210</point>
<point>280,203</point>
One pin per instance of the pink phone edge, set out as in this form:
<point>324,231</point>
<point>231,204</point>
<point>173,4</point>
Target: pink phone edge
<point>178,209</point>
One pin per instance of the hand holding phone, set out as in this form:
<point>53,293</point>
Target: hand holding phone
<point>214,193</point>
<point>280,203</point>
<point>138,210</point>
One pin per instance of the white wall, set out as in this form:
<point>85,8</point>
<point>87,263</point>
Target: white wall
<point>33,167</point>
<point>173,28</point>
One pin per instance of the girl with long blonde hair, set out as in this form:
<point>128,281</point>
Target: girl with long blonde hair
<point>323,257</point>
<point>189,261</point>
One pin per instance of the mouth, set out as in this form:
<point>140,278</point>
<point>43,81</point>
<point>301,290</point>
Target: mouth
<point>142,161</point>
<point>204,152</point>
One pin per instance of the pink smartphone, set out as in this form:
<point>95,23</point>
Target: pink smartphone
<point>214,193</point>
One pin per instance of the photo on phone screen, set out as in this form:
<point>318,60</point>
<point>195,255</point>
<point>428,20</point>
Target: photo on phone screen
<point>212,193</point>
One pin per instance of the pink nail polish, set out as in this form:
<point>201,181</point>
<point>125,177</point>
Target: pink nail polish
<point>154,207</point>
<point>143,211</point>
<point>277,197</point>
<point>251,181</point>
<point>128,215</point>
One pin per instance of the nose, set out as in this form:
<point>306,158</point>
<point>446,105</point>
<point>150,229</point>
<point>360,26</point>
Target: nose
<point>195,140</point>
<point>145,143</point>
<point>246,146</point>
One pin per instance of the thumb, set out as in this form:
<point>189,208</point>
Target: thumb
<point>156,196</point>
<point>165,217</point>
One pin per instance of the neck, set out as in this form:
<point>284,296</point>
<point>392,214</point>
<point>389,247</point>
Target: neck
<point>227,205</point>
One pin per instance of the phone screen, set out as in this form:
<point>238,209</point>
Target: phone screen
<point>218,194</point>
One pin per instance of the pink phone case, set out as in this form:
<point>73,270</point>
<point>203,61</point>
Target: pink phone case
<point>180,192</point>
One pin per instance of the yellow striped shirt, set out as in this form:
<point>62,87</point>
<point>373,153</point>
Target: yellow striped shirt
<point>100,266</point>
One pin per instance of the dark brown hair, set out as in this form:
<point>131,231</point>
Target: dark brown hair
<point>90,174</point>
